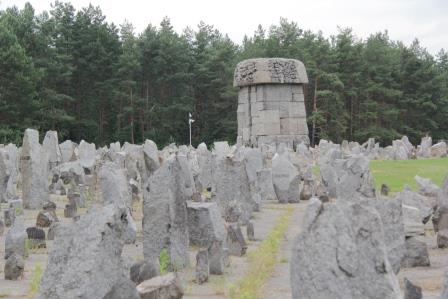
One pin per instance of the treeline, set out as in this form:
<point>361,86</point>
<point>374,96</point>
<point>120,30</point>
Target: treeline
<point>71,71</point>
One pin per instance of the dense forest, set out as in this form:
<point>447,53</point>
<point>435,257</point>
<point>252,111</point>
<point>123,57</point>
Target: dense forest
<point>69,70</point>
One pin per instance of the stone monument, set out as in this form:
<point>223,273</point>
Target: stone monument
<point>271,106</point>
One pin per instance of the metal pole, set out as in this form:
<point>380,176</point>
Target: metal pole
<point>189,122</point>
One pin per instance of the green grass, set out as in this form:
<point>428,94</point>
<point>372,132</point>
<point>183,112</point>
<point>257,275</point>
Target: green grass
<point>396,174</point>
<point>261,261</point>
<point>35,281</point>
<point>164,261</point>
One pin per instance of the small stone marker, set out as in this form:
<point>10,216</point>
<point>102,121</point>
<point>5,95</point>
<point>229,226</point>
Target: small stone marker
<point>250,231</point>
<point>202,266</point>
<point>14,267</point>
<point>235,240</point>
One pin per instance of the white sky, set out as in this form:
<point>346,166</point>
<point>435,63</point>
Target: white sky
<point>405,20</point>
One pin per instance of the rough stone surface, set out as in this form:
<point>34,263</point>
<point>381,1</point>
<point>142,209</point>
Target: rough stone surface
<point>271,107</point>
<point>165,218</point>
<point>114,185</point>
<point>67,149</point>
<point>151,155</point>
<point>51,147</point>
<point>142,271</point>
<point>217,255</point>
<point>33,167</point>
<point>205,224</point>
<point>412,291</point>
<point>231,189</point>
<point>348,178</point>
<point>15,239</point>
<point>391,213</point>
<point>14,267</point>
<point>167,286</point>
<point>266,185</point>
<point>416,253</point>
<point>285,178</point>
<point>204,157</point>
<point>444,294</point>
<point>85,260</point>
<point>442,234</point>
<point>202,266</point>
<point>235,240</point>
<point>341,252</point>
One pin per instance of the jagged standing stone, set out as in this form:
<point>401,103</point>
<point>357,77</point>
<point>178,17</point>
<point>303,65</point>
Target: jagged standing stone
<point>33,167</point>
<point>205,224</point>
<point>85,260</point>
<point>416,253</point>
<point>165,217</point>
<point>285,178</point>
<point>391,213</point>
<point>265,184</point>
<point>67,149</point>
<point>202,266</point>
<point>51,147</point>
<point>14,267</point>
<point>114,185</point>
<point>217,257</point>
<point>341,252</point>
<point>15,240</point>
<point>231,189</point>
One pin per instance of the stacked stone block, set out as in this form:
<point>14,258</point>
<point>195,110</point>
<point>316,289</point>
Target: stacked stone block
<point>271,106</point>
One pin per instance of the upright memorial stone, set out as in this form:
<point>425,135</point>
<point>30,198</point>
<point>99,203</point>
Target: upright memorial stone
<point>271,107</point>
<point>33,167</point>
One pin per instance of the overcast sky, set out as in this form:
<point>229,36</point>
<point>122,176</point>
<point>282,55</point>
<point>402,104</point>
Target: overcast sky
<point>405,20</point>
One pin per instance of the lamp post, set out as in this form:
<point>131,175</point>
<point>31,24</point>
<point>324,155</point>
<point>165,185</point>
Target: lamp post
<point>190,121</point>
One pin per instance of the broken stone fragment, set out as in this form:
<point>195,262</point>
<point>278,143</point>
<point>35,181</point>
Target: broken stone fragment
<point>14,267</point>
<point>167,286</point>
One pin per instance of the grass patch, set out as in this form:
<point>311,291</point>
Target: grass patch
<point>396,174</point>
<point>35,281</point>
<point>261,261</point>
<point>164,261</point>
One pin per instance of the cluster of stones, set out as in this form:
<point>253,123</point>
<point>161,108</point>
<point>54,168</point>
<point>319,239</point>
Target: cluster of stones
<point>354,244</point>
<point>271,107</point>
<point>192,198</point>
<point>401,149</point>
